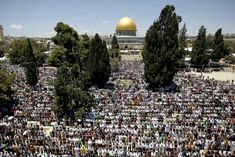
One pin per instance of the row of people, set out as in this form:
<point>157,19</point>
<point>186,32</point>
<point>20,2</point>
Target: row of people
<point>127,120</point>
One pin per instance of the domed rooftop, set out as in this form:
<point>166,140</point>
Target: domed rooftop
<point>126,23</point>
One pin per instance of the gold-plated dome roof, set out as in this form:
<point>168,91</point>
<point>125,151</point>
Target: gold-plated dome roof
<point>126,23</point>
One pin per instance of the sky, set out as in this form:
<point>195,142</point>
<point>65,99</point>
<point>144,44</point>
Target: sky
<point>37,18</point>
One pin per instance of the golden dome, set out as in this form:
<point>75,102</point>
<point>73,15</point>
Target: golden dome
<point>126,23</point>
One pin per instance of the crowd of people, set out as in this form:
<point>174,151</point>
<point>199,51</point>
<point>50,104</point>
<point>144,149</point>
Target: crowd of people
<point>198,119</point>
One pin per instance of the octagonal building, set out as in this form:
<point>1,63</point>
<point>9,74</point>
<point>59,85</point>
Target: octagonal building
<point>125,31</point>
<point>126,27</point>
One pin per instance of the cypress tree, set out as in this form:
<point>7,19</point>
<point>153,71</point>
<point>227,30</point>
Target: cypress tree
<point>115,42</point>
<point>115,52</point>
<point>199,55</point>
<point>98,62</point>
<point>62,99</point>
<point>209,41</point>
<point>161,50</point>
<point>28,55</point>
<point>219,50</point>
<point>30,65</point>
<point>182,40</point>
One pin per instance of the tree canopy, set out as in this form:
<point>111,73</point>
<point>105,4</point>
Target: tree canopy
<point>66,36</point>
<point>161,49</point>
<point>57,57</point>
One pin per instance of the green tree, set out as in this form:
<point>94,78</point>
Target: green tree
<point>18,47</point>
<point>2,48</point>
<point>6,91</point>
<point>161,50</point>
<point>199,56</point>
<point>68,38</point>
<point>115,51</point>
<point>115,54</point>
<point>62,98</point>
<point>72,47</point>
<point>219,49</point>
<point>182,40</point>
<point>230,45</point>
<point>5,83</point>
<point>16,50</point>
<point>38,51</point>
<point>30,66</point>
<point>70,98</point>
<point>209,41</point>
<point>28,54</point>
<point>57,57</point>
<point>98,62</point>
<point>114,62</point>
<point>76,48</point>
<point>114,42</point>
<point>85,41</point>
<point>83,51</point>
